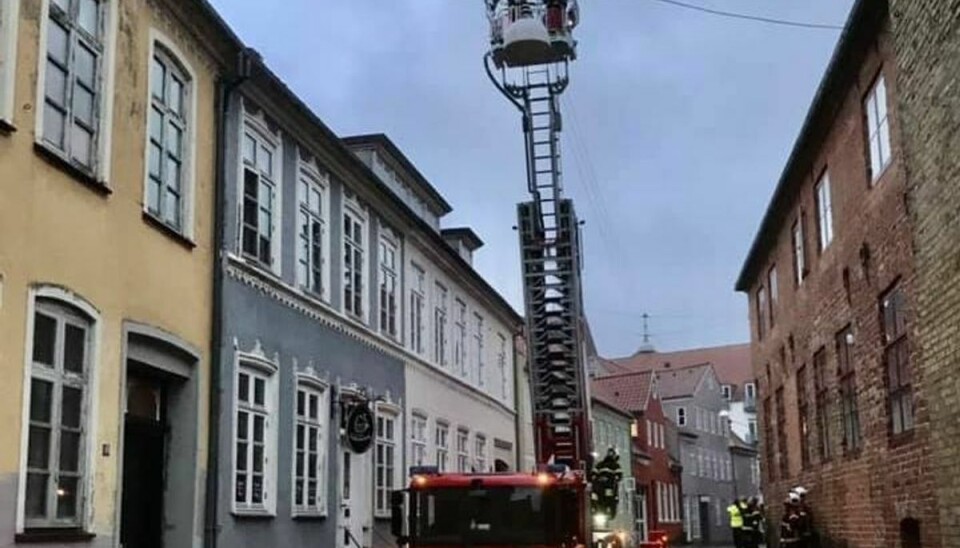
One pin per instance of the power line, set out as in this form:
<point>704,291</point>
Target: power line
<point>749,17</point>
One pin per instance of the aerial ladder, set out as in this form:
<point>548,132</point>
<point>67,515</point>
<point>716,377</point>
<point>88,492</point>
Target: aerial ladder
<point>531,47</point>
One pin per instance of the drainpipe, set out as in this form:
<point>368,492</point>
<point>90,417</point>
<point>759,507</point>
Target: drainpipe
<point>225,88</point>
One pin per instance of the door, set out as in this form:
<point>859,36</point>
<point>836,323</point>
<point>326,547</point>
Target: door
<point>705,520</point>
<point>355,504</point>
<point>144,451</point>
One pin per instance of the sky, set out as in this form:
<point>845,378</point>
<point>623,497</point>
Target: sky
<point>677,125</point>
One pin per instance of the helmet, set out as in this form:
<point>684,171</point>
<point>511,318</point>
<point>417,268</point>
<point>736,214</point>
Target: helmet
<point>793,498</point>
<point>800,491</point>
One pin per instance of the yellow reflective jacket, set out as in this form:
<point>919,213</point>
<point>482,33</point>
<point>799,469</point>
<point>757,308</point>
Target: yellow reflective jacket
<point>736,517</point>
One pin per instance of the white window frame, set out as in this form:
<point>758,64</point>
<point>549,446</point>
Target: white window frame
<point>104,101</point>
<point>9,20</point>
<point>799,250</point>
<point>167,51</point>
<point>356,214</point>
<point>418,439</point>
<point>649,433</point>
<point>418,302</point>
<point>311,387</point>
<point>389,243</point>
<point>460,336</point>
<point>391,470</point>
<point>478,337</point>
<point>440,296</point>
<point>256,366</point>
<point>878,128</point>
<point>311,179</point>
<point>463,450</point>
<point>59,297</point>
<point>681,416</point>
<point>480,452</point>
<point>502,365</point>
<point>824,201</point>
<point>750,391</point>
<point>256,128</point>
<point>441,440</point>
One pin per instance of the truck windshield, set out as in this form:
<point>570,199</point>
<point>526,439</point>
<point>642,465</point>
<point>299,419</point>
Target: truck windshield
<point>494,516</point>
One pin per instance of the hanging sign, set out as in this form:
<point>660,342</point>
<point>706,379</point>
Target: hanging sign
<point>359,428</point>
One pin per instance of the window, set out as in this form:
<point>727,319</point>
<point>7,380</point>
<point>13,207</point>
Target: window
<point>168,140</point>
<point>897,360</point>
<point>878,127</point>
<point>846,372</point>
<point>649,433</point>
<point>463,450</point>
<point>774,284</point>
<point>354,259</point>
<point>386,460</point>
<point>57,470</point>
<point>799,251</point>
<point>388,281</point>
<point>761,312</point>
<point>314,246</point>
<point>73,74</point>
<point>725,391</point>
<point>441,439</point>
<point>769,451</point>
<point>502,365</point>
<point>8,56</point>
<point>681,416</point>
<point>803,408</point>
<point>481,453</point>
<point>782,434</point>
<point>418,440</point>
<point>660,432</point>
<point>440,326</point>
<point>750,392</point>
<point>259,227</point>
<point>824,211</point>
<point>417,299</point>
<point>752,430</point>
<point>701,467</point>
<point>822,401</point>
<point>478,348</point>
<point>460,338</point>
<point>255,445</point>
<point>310,450</point>
<point>661,501</point>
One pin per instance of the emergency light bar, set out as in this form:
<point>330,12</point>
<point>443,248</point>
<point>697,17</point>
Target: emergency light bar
<point>424,471</point>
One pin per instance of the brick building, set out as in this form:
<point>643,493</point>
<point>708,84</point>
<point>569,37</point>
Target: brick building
<point>658,491</point>
<point>927,42</point>
<point>833,311</point>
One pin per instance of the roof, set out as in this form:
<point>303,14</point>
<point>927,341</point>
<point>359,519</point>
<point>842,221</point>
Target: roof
<point>626,391</point>
<point>680,382</point>
<point>862,24</point>
<point>464,234</point>
<point>603,400</point>
<point>423,186</point>
<point>731,363</point>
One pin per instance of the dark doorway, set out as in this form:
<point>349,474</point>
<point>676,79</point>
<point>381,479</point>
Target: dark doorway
<point>144,452</point>
<point>910,533</point>
<point>705,521</point>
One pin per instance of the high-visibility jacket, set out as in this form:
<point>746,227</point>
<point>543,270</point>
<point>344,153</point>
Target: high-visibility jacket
<point>736,516</point>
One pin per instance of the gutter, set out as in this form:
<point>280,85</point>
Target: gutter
<point>225,87</point>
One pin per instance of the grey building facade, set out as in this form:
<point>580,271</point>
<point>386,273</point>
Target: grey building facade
<point>693,399</point>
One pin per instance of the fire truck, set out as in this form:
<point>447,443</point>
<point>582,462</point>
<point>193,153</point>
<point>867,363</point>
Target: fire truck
<point>558,504</point>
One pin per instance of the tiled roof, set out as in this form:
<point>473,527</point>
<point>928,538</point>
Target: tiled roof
<point>628,392</point>
<point>679,382</point>
<point>731,363</point>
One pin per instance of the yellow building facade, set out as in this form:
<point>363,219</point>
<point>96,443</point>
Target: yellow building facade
<point>107,178</point>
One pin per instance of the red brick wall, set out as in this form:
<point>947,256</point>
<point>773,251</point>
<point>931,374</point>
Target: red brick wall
<point>658,470</point>
<point>857,497</point>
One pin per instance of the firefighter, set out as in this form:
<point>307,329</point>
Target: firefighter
<point>605,480</point>
<point>752,521</point>
<point>790,522</point>
<point>736,523</point>
<point>808,537</point>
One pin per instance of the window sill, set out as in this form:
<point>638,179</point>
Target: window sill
<point>30,536</point>
<point>260,267</point>
<point>171,232</point>
<point>901,439</point>
<point>56,160</point>
<point>6,127</point>
<point>309,516</point>
<point>253,514</point>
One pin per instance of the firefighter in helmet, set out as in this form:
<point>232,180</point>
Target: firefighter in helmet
<point>605,480</point>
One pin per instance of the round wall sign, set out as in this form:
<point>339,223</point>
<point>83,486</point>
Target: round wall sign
<point>359,428</point>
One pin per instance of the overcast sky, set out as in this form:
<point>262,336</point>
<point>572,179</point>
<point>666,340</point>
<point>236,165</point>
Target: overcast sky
<point>677,125</point>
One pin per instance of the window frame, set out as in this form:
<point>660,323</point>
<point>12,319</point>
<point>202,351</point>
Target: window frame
<point>761,307</point>
<point>166,50</point>
<point>896,343</point>
<point>478,339</point>
<point>823,198</point>
<point>847,382</point>
<point>502,365</point>
<point>418,301</point>
<point>9,26</point>
<point>798,244</point>
<point>681,416</point>
<point>872,103</point>
<point>101,151</point>
<point>255,363</point>
<point>773,287</point>
<point>46,299</point>
<point>442,444</point>
<point>389,314</point>
<point>803,422</point>
<point>354,212</point>
<point>460,337</point>
<point>312,386</point>
<point>257,128</point>
<point>392,413</point>
<point>440,311</point>
<point>822,403</point>
<point>726,391</point>
<point>418,438</point>
<point>310,176</point>
<point>480,452</point>
<point>463,449</point>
